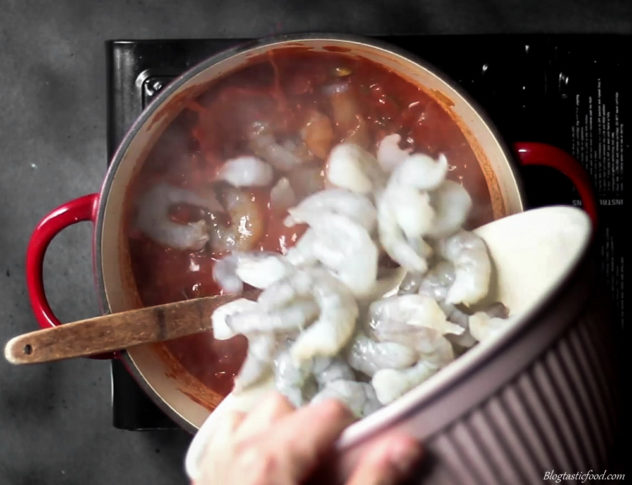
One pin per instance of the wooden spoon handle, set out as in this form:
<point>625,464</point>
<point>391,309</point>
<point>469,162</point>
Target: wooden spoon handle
<point>114,332</point>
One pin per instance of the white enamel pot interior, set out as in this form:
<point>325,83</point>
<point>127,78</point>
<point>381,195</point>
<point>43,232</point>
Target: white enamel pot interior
<point>183,398</point>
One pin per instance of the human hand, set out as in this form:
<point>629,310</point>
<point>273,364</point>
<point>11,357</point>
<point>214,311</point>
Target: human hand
<point>278,445</point>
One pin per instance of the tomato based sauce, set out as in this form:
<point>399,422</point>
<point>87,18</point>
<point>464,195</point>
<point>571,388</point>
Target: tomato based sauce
<point>312,101</point>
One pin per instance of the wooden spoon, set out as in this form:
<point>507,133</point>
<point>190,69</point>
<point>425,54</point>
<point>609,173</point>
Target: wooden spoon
<point>115,331</point>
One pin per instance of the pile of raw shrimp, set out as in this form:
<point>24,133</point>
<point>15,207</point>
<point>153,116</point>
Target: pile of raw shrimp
<point>375,296</point>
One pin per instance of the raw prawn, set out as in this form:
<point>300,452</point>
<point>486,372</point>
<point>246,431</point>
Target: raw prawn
<point>264,144</point>
<point>258,269</point>
<point>337,315</point>
<point>436,283</point>
<point>246,224</point>
<point>454,314</point>
<point>356,207</point>
<point>351,167</point>
<point>435,352</point>
<point>418,203</point>
<point>354,262</point>
<point>291,318</point>
<point>246,171</point>
<point>262,269</point>
<point>359,397</point>
<point>282,196</point>
<point>433,349</point>
<point>452,204</point>
<point>152,217</point>
<point>405,212</point>
<point>290,376</point>
<point>411,255</point>
<point>410,208</point>
<point>328,369</point>
<point>368,356</point>
<point>389,384</point>
<point>225,275</point>
<point>468,253</point>
<point>406,314</point>
<point>299,381</point>
<point>410,284</point>
<point>302,254</point>
<point>258,362</point>
<point>489,323</point>
<point>221,316</point>
<point>420,171</point>
<point>387,281</point>
<point>389,155</point>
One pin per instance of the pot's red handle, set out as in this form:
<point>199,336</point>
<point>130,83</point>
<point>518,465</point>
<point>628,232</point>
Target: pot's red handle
<point>532,153</point>
<point>77,210</point>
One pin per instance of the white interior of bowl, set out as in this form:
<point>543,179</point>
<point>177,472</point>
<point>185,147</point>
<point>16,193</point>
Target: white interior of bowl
<point>113,261</point>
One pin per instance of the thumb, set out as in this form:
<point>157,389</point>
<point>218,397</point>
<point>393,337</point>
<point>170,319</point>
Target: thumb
<point>387,462</point>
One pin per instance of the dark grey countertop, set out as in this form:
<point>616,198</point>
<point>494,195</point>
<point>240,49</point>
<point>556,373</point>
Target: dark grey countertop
<point>55,420</point>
